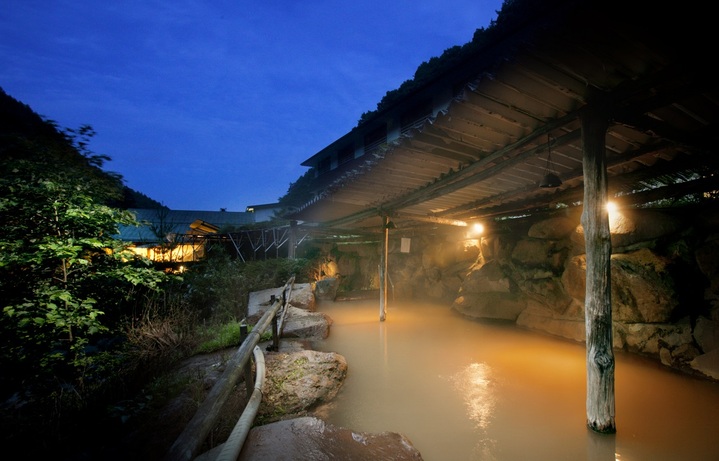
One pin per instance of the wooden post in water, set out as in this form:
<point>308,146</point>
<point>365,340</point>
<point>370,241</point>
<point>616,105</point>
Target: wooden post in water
<point>383,271</point>
<point>598,300</point>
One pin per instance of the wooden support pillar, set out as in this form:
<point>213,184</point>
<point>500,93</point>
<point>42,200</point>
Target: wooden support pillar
<point>292,244</point>
<point>598,302</point>
<point>383,271</point>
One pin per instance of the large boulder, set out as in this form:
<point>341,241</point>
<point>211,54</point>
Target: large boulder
<point>302,297</point>
<point>487,293</point>
<point>550,292</point>
<point>707,364</point>
<point>309,438</point>
<point>642,288</point>
<point>301,320</point>
<point>707,257</point>
<point>487,278</point>
<point>540,318</point>
<point>299,381</point>
<point>260,301</point>
<point>491,305</point>
<point>706,334</point>
<point>651,338</point>
<point>326,288</point>
<point>634,228</point>
<point>539,253</point>
<point>555,228</point>
<point>300,323</point>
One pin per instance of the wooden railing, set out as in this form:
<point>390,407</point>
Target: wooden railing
<point>188,444</point>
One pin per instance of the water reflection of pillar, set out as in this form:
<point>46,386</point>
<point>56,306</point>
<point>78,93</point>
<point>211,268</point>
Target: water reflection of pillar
<point>384,349</point>
<point>601,447</point>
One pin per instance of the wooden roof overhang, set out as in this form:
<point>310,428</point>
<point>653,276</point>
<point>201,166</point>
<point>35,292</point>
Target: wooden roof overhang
<point>523,95</point>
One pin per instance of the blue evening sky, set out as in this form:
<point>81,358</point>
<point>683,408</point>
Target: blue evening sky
<point>209,104</point>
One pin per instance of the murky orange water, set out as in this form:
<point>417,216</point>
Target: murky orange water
<point>463,390</point>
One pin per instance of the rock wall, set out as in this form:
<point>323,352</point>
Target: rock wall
<point>433,268</point>
<point>664,284</point>
<point>664,279</point>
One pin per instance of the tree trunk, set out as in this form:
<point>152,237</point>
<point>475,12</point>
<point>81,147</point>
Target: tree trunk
<point>598,302</point>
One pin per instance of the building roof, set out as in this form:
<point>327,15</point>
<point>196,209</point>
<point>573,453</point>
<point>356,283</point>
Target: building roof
<point>164,222</point>
<point>264,206</point>
<point>520,97</point>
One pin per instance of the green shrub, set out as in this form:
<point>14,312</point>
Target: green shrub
<point>219,286</point>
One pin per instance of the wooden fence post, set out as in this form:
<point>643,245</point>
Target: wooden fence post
<point>275,334</point>
<point>248,367</point>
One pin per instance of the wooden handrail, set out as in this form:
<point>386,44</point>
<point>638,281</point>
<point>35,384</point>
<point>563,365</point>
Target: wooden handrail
<point>283,314</point>
<point>187,445</point>
<point>232,447</point>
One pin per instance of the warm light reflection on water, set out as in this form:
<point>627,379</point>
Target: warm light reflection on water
<point>463,390</point>
<point>474,385</point>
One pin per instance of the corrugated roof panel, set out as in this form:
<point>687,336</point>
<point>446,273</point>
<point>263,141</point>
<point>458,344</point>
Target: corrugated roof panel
<point>486,151</point>
<point>164,222</point>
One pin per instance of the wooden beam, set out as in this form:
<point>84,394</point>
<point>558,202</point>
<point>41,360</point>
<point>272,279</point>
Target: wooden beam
<point>597,302</point>
<point>432,219</point>
<point>458,179</point>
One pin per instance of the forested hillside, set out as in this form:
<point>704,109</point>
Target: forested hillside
<point>19,121</point>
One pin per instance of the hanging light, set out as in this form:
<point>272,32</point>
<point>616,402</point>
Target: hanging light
<point>550,178</point>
